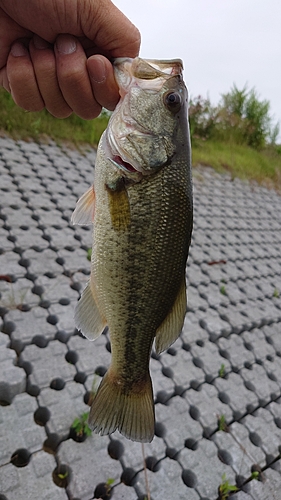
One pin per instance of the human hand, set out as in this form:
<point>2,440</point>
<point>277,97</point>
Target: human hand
<point>56,54</point>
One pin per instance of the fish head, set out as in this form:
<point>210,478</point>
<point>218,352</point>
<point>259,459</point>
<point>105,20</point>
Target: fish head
<point>150,120</point>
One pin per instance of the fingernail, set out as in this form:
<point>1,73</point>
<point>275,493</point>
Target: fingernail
<point>98,75</point>
<point>18,50</point>
<point>40,43</point>
<point>66,44</point>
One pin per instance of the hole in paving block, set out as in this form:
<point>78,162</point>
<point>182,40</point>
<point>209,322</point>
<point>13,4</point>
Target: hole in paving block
<point>194,384</point>
<point>88,398</point>
<point>38,290</point>
<point>271,376</point>
<point>172,351</point>
<point>24,263</point>
<point>255,439</point>
<point>30,276</point>
<point>248,346</point>
<point>152,463</point>
<point>186,346</point>
<point>198,362</point>
<point>52,319</point>
<point>248,365</point>
<point>45,304</point>
<point>60,261</point>
<point>62,475</point>
<point>194,412</point>
<point>51,444</point>
<point>225,457</point>
<point>179,390</point>
<point>162,397</point>
<point>62,336</point>
<point>32,390</point>
<point>171,453</point>
<point>209,378</point>
<point>160,430</point>
<point>103,491</point>
<point>42,415</point>
<point>191,444</point>
<point>64,301</point>
<point>2,497</point>
<point>277,421</point>
<point>101,371</point>
<point>80,377</point>
<point>21,457</point>
<point>40,341</point>
<point>223,397</point>
<point>189,478</point>
<point>8,327</point>
<point>76,286</point>
<point>71,357</point>
<point>26,366</point>
<point>207,431</point>
<point>168,372</point>
<point>249,386</point>
<point>128,476</point>
<point>57,384</point>
<point>200,343</point>
<point>269,358</point>
<point>108,346</point>
<point>115,449</point>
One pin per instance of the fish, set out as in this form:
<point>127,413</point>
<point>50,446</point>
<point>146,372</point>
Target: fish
<point>140,206</point>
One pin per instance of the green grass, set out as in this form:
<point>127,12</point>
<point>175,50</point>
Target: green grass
<point>20,124</point>
<point>239,160</point>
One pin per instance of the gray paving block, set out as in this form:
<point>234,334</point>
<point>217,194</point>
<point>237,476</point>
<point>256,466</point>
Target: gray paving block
<point>257,341</point>
<point>12,378</point>
<point>28,435</point>
<point>10,262</point>
<point>90,465</point>
<point>163,380</point>
<point>214,325</point>
<point>263,431</point>
<point>239,453</point>
<point>64,314</point>
<point>47,363</point>
<point>239,398</point>
<point>211,359</point>
<point>64,406</point>
<point>30,323</point>
<point>91,355</point>
<point>237,354</point>
<point>192,331</point>
<point>43,262</point>
<point>56,287</point>
<point>166,483</point>
<point>205,469</point>
<point>33,481</point>
<point>180,426</point>
<point>206,407</point>
<point>13,295</point>
<point>257,380</point>
<point>268,488</point>
<point>185,367</point>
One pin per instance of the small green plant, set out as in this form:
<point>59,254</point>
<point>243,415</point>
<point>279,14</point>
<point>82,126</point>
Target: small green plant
<point>222,424</point>
<point>80,425</point>
<point>255,475</point>
<point>223,290</point>
<point>225,488</point>
<point>222,371</point>
<point>276,294</point>
<point>63,475</point>
<point>89,254</point>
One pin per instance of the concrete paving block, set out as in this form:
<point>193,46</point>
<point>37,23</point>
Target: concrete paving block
<point>236,351</point>
<point>204,469</point>
<point>43,262</point>
<point>180,426</point>
<point>75,259</point>
<point>272,336</point>
<point>64,313</point>
<point>12,378</point>
<point>192,331</point>
<point>187,371</point>
<point>30,323</point>
<point>163,380</point>
<point>55,288</point>
<point>91,355</point>
<point>260,347</point>
<point>257,380</point>
<point>239,398</point>
<point>25,234</point>
<point>134,453</point>
<point>33,481</point>
<point>210,358</point>
<point>63,406</point>
<point>28,435</point>
<point>48,363</point>
<point>268,488</point>
<point>206,407</point>
<point>166,483</point>
<point>195,301</point>
<point>263,431</point>
<point>90,465</point>
<point>214,325</point>
<point>5,244</point>
<point>10,262</point>
<point>236,453</point>
<point>241,495</point>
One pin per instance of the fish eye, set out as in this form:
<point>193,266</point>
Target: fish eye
<point>172,101</point>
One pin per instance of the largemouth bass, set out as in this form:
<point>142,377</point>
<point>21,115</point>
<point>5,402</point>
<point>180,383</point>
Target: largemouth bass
<point>141,209</point>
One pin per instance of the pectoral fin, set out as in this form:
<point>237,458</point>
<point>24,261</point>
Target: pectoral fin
<point>88,318</point>
<point>85,208</point>
<point>171,327</point>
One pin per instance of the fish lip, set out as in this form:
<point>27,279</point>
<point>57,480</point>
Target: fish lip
<point>125,167</point>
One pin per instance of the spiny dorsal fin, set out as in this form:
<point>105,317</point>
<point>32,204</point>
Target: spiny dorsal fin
<point>85,208</point>
<point>88,318</point>
<point>171,327</point>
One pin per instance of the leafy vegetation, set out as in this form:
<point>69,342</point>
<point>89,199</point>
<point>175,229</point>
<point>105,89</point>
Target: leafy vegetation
<point>80,425</point>
<point>226,488</point>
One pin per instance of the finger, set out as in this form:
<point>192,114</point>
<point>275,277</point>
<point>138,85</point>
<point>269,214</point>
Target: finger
<point>22,80</point>
<point>103,83</point>
<point>73,77</point>
<point>44,64</point>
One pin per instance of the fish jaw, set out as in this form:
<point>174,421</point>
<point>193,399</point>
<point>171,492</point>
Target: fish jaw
<point>141,131</point>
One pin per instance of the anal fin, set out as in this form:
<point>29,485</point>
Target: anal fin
<point>87,316</point>
<point>171,327</point>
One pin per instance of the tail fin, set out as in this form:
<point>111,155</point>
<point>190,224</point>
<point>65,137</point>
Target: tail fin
<point>132,413</point>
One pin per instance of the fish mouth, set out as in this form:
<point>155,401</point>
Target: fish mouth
<point>123,165</point>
